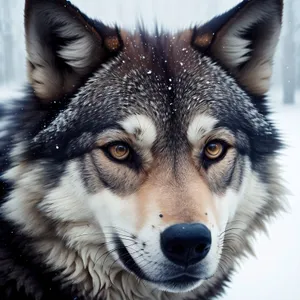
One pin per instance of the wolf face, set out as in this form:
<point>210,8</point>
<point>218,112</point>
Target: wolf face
<point>145,156</point>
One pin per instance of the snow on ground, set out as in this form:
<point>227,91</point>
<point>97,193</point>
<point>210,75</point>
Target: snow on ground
<point>274,274</point>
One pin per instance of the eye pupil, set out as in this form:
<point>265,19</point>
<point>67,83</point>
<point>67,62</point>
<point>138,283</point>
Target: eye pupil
<point>119,151</point>
<point>213,150</point>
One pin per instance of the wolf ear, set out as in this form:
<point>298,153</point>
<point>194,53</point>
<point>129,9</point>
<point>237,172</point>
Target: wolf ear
<point>243,40</point>
<point>64,46</point>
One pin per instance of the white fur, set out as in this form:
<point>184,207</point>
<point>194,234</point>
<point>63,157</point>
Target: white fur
<point>111,210</point>
<point>199,127</point>
<point>24,198</point>
<point>78,54</point>
<point>234,51</point>
<point>69,193</point>
<point>142,128</point>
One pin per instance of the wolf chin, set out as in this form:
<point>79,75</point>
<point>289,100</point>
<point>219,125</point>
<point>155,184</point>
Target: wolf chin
<point>137,165</point>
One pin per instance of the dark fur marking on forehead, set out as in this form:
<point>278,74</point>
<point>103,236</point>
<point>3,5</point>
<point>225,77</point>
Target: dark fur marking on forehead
<point>160,53</point>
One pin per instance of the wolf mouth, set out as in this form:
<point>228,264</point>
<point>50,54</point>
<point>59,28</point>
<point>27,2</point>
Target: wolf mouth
<point>128,261</point>
<point>181,280</point>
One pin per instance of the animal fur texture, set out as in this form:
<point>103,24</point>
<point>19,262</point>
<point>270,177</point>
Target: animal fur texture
<point>121,138</point>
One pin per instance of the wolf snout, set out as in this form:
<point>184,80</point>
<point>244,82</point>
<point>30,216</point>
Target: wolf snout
<point>186,244</point>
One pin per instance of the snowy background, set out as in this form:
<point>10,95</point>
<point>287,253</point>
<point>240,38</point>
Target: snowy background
<point>274,273</point>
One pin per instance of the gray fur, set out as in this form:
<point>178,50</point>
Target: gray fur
<point>69,200</point>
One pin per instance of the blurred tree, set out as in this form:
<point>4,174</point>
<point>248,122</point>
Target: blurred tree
<point>1,46</point>
<point>289,59</point>
<point>298,56</point>
<point>6,43</point>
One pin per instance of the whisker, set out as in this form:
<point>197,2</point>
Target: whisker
<point>111,251</point>
<point>110,268</point>
<point>101,234</point>
<point>118,228</point>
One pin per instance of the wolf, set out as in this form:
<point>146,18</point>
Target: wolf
<point>138,164</point>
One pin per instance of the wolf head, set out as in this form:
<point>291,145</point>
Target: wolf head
<point>145,154</point>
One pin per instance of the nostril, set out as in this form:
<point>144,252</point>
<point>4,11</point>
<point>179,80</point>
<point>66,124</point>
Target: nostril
<point>201,248</point>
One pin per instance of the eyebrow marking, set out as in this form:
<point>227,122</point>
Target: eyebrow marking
<point>200,126</point>
<point>142,128</point>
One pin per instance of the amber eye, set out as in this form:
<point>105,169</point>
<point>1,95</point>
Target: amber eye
<point>214,150</point>
<point>119,151</point>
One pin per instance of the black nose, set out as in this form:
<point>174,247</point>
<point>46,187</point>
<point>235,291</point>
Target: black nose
<point>186,244</point>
